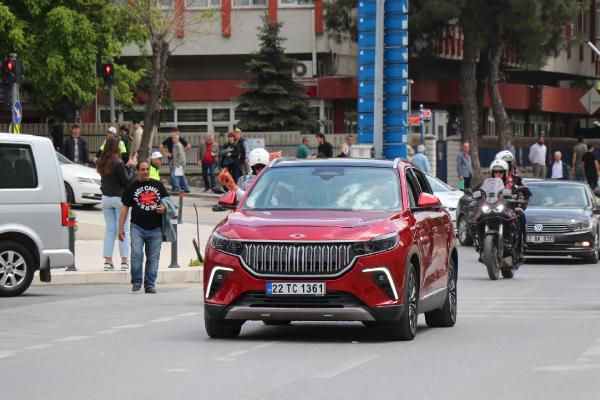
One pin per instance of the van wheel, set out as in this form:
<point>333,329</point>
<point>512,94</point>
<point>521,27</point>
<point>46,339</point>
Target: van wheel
<point>70,195</point>
<point>16,269</point>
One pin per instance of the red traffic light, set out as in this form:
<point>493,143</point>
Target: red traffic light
<point>108,69</point>
<point>9,66</point>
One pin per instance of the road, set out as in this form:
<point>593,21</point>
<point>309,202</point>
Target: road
<point>534,337</point>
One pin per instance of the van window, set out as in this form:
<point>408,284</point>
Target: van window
<point>17,168</point>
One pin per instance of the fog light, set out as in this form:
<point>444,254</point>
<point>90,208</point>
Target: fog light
<point>218,276</point>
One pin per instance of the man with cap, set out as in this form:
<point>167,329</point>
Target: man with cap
<point>155,161</point>
<point>112,131</point>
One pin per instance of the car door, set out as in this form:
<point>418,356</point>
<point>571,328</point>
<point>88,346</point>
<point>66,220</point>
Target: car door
<point>423,233</point>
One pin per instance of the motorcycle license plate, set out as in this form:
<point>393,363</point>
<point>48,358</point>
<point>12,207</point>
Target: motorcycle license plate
<point>296,289</point>
<point>540,239</point>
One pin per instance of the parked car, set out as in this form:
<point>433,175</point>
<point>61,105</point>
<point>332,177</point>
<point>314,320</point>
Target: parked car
<point>333,240</point>
<point>34,214</point>
<point>563,219</point>
<point>82,184</point>
<point>448,195</point>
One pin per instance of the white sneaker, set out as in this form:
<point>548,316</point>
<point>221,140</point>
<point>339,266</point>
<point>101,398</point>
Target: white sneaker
<point>108,267</point>
<point>124,267</point>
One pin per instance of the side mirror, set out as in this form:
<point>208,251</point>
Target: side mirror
<point>428,200</point>
<point>477,195</point>
<point>228,201</point>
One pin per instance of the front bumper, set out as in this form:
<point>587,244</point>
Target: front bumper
<point>565,244</point>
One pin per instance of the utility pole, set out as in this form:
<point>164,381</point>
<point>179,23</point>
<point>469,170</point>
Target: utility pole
<point>12,76</point>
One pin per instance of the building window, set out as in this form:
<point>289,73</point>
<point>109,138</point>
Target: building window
<point>191,4</point>
<point>296,2</point>
<point>220,114</point>
<point>247,3</point>
<point>192,115</point>
<point>351,117</point>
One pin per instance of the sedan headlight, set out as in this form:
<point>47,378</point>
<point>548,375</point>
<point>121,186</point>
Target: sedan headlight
<point>222,244</point>
<point>85,180</point>
<point>376,245</point>
<point>580,225</point>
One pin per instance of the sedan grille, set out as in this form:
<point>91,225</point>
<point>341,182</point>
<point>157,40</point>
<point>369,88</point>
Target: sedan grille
<point>297,259</point>
<point>548,228</point>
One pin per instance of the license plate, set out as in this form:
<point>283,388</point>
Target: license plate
<point>295,288</point>
<point>540,239</point>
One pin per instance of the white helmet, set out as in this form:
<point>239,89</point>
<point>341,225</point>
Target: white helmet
<point>505,155</point>
<point>259,156</point>
<point>498,165</point>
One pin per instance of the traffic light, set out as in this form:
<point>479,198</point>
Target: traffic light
<point>108,72</point>
<point>9,71</point>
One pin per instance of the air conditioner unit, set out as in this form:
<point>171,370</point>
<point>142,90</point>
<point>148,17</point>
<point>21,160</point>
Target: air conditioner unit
<point>303,69</point>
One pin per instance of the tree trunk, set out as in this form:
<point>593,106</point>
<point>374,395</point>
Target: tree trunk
<point>483,70</point>
<point>468,100</point>
<point>500,117</point>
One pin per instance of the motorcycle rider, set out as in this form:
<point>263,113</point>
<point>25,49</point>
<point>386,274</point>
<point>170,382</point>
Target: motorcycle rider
<point>512,178</point>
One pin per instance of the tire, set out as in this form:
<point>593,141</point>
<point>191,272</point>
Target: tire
<point>489,257</point>
<point>593,258</point>
<point>70,194</point>
<point>464,234</point>
<point>406,327</point>
<point>16,269</point>
<point>507,273</point>
<point>277,322</point>
<point>445,317</point>
<point>220,329</point>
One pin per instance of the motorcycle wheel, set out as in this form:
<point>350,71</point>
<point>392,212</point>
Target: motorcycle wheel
<point>490,258</point>
<point>508,273</point>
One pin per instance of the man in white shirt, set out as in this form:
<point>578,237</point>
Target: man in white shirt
<point>537,157</point>
<point>558,169</point>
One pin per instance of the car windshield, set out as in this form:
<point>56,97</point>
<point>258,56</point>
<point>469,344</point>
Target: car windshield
<point>558,196</point>
<point>437,185</point>
<point>62,159</point>
<point>326,188</point>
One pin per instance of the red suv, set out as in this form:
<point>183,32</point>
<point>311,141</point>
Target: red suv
<point>332,240</point>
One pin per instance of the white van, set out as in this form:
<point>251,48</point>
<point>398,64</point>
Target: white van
<point>34,214</point>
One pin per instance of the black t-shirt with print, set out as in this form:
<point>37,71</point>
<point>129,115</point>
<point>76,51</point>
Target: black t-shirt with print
<point>143,198</point>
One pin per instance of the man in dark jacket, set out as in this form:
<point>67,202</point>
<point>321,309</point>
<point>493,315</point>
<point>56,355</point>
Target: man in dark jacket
<point>75,147</point>
<point>558,169</point>
<point>56,132</point>
<point>325,149</point>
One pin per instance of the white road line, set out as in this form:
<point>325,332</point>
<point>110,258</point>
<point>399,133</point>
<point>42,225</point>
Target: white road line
<point>189,314</point>
<point>130,326</point>
<point>591,354</point>
<point>71,339</point>
<point>163,319</point>
<point>569,368</point>
<point>347,366</point>
<point>7,354</point>
<point>39,346</point>
<point>106,332</point>
<point>235,354</point>
<point>489,315</point>
<point>177,370</point>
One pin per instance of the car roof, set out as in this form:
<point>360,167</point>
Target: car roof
<point>21,138</point>
<point>335,162</point>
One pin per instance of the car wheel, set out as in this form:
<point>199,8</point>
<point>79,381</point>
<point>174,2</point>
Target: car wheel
<point>406,327</point>
<point>277,322</point>
<point>221,329</point>
<point>446,316</point>
<point>593,258</point>
<point>16,269</point>
<point>70,194</point>
<point>464,234</point>
<point>507,273</point>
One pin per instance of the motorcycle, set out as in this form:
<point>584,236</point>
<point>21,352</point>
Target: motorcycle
<point>497,231</point>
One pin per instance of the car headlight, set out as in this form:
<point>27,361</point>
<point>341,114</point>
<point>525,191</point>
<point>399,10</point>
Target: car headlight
<point>485,208</point>
<point>85,180</point>
<point>580,225</point>
<point>376,245</point>
<point>222,244</point>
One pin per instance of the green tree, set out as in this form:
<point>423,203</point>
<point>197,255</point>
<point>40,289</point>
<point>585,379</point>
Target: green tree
<point>60,44</point>
<point>273,102</point>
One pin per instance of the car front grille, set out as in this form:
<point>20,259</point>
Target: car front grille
<point>297,259</point>
<point>548,228</point>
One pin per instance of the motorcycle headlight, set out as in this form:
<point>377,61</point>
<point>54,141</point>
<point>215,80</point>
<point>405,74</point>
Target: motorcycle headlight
<point>376,245</point>
<point>485,208</point>
<point>499,208</point>
<point>580,225</point>
<point>222,244</point>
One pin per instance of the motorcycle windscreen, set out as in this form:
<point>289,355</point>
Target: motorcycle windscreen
<point>492,189</point>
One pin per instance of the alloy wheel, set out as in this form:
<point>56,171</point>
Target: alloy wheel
<point>452,290</point>
<point>13,269</point>
<point>412,301</point>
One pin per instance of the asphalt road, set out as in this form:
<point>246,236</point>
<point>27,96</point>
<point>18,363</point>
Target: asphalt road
<point>533,337</point>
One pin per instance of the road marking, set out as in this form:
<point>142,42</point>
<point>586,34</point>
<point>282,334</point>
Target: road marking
<point>106,332</point>
<point>569,368</point>
<point>489,315</point>
<point>583,363</point>
<point>235,354</point>
<point>177,370</point>
<point>7,354</point>
<point>348,366</point>
<point>39,346</point>
<point>163,319</point>
<point>130,326</point>
<point>189,314</point>
<point>71,339</point>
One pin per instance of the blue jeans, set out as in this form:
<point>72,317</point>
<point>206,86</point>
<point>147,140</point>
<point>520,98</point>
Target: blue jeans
<point>179,182</point>
<point>208,169</point>
<point>150,242</point>
<point>111,208</point>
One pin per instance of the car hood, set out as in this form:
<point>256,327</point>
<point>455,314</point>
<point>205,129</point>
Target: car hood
<point>76,170</point>
<point>308,225</point>
<point>555,215</point>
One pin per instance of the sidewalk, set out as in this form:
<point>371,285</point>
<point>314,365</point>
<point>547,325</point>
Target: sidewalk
<point>90,263</point>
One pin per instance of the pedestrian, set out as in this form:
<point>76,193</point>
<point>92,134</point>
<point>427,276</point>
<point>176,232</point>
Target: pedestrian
<point>239,156</point>
<point>56,132</point>
<point>112,132</point>
<point>166,148</point>
<point>115,176</point>
<point>420,159</point>
<point>124,136</point>
<point>325,149</point>
<point>464,166</point>
<point>155,161</point>
<point>344,151</point>
<point>511,147</point>
<point>75,147</point>
<point>226,155</point>
<point>144,196</point>
<point>209,156</point>
<point>350,143</point>
<point>303,150</point>
<point>136,136</point>
<point>576,162</point>
<point>537,157</point>
<point>558,169</point>
<point>591,167</point>
<point>410,152</point>
<point>178,163</point>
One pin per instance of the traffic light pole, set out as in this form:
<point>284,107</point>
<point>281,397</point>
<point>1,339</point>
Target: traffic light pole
<point>14,97</point>
<point>111,99</point>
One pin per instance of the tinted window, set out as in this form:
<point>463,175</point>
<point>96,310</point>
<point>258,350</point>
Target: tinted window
<point>413,188</point>
<point>326,188</point>
<point>17,169</point>
<point>558,196</point>
<point>420,176</point>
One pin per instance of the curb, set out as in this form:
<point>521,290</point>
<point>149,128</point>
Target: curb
<point>61,277</point>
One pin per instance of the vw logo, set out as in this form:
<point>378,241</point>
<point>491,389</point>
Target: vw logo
<point>297,236</point>
<point>538,227</point>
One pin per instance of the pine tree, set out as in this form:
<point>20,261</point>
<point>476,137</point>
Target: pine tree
<point>274,102</point>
